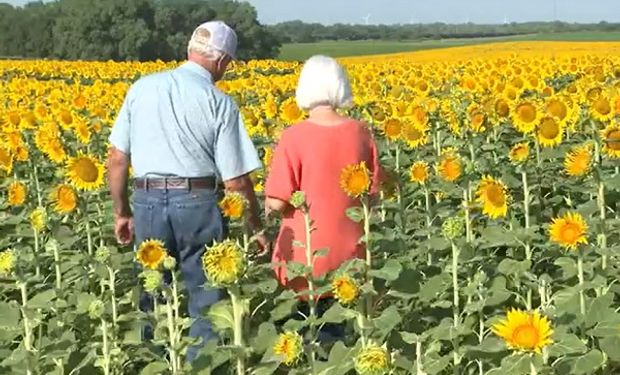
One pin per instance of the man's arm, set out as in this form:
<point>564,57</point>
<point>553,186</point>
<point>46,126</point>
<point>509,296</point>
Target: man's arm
<point>118,174</point>
<point>244,186</point>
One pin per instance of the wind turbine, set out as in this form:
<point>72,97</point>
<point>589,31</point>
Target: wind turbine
<point>366,19</point>
<point>505,20</point>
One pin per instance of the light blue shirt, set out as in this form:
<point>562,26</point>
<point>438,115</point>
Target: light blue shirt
<point>177,123</point>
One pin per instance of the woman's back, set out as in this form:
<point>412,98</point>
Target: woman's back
<point>310,158</point>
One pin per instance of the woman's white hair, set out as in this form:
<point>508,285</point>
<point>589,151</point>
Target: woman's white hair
<point>323,82</point>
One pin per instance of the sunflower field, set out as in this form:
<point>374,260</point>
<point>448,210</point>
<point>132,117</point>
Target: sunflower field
<point>494,248</point>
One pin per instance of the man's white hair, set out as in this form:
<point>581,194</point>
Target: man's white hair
<point>199,43</point>
<point>323,82</point>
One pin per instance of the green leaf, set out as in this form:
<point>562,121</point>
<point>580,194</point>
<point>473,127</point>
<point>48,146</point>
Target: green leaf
<point>566,343</point>
<point>9,315</point>
<point>515,364</point>
<point>337,314</point>
<point>513,267</point>
<point>600,310</point>
<point>607,328</point>
<point>42,300</point>
<point>390,271</point>
<point>568,265</point>
<point>265,337</point>
<point>410,338</point>
<point>431,289</point>
<point>154,368</point>
<point>221,315</point>
<point>588,363</point>
<point>611,347</point>
<point>438,243</point>
<point>388,320</point>
<point>356,214</point>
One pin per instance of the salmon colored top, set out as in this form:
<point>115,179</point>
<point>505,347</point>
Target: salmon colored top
<point>310,158</point>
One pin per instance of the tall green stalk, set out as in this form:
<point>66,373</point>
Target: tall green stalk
<point>107,361</point>
<point>429,220</point>
<point>455,304</point>
<point>310,277</point>
<point>582,300</point>
<point>238,316</point>
<point>28,337</point>
<point>526,215</point>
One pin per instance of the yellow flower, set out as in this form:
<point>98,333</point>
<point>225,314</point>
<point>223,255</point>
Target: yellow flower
<point>7,262</point>
<point>549,132</point>
<point>372,360</point>
<point>85,172</point>
<point>578,161</point>
<point>569,230</point>
<point>494,197</point>
<point>519,153</point>
<point>601,110</point>
<point>290,112</point>
<point>450,167</point>
<point>223,263</point>
<point>345,289</point>
<point>414,135</point>
<point>289,346</point>
<point>524,331</point>
<point>38,219</point>
<point>64,199</point>
<point>525,116</point>
<point>355,179</point>
<point>17,193</point>
<point>6,160</point>
<point>611,140</point>
<point>233,205</point>
<point>151,254</point>
<point>419,172</point>
<point>392,128</point>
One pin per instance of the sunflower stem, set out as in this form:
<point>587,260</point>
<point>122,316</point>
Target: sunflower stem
<point>35,177</point>
<point>309,277</point>
<point>526,214</point>
<point>27,328</point>
<point>37,268</point>
<point>55,248</point>
<point>172,335</point>
<point>602,241</point>
<point>112,286</point>
<point>466,197</point>
<point>455,303</point>
<point>418,357</point>
<point>582,301</point>
<point>427,204</point>
<point>238,329</point>
<point>532,367</point>
<point>105,347</point>
<point>366,209</point>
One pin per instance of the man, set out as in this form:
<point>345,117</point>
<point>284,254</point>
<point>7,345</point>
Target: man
<point>181,136</point>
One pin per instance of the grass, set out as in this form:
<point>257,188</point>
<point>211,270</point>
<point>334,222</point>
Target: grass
<point>342,48</point>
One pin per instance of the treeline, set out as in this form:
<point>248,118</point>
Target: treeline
<point>124,29</point>
<point>300,32</point>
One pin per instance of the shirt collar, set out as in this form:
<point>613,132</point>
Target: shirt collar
<point>198,69</point>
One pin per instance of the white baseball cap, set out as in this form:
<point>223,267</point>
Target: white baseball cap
<point>221,37</point>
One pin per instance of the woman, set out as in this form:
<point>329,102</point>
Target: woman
<point>310,157</point>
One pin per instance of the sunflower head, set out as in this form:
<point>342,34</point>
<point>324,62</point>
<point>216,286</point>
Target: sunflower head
<point>85,172</point>
<point>6,160</point>
<point>38,219</point>
<point>372,360</point>
<point>223,263</point>
<point>450,166</point>
<point>493,195</point>
<point>7,262</point>
<point>525,116</point>
<point>345,289</point>
<point>64,199</point>
<point>414,134</point>
<point>355,179</point>
<point>17,194</point>
<point>289,346</point>
<point>578,161</point>
<point>611,140</point>
<point>419,172</point>
<point>233,205</point>
<point>600,109</point>
<point>151,254</point>
<point>549,132</point>
<point>519,153</point>
<point>569,230</point>
<point>524,331</point>
<point>152,280</point>
<point>392,128</point>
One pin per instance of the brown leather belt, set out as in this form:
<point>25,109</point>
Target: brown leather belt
<point>175,183</point>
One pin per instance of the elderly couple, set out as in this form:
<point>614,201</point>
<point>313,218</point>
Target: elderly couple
<point>183,136</point>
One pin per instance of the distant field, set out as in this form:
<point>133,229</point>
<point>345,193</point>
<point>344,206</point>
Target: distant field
<point>301,51</point>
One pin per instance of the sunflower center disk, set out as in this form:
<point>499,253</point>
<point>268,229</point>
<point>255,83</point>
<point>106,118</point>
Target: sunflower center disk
<point>526,337</point>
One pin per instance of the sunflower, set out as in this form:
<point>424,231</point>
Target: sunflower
<point>55,151</point>
<point>525,116</point>
<point>450,166</point>
<point>233,205</point>
<point>549,132</point>
<point>290,112</point>
<point>524,331</point>
<point>345,289</point>
<point>578,161</point>
<point>611,140</point>
<point>600,109</point>
<point>289,346</point>
<point>502,108</point>
<point>372,360</point>
<point>38,219</point>
<point>477,120</point>
<point>494,197</point>
<point>355,179</point>
<point>151,254</point>
<point>223,263</point>
<point>557,108</point>
<point>64,199</point>
<point>392,128</point>
<point>85,172</point>
<point>414,135</point>
<point>7,262</point>
<point>569,230</point>
<point>419,172</point>
<point>17,194</point>
<point>82,132</point>
<point>519,153</point>
<point>6,160</point>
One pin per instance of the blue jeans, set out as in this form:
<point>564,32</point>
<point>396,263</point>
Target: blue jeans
<point>186,221</point>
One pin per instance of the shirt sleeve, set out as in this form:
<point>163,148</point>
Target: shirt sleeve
<point>120,135</point>
<point>284,172</point>
<point>235,154</point>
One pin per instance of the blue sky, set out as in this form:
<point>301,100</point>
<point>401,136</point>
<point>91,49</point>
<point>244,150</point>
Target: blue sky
<point>449,11</point>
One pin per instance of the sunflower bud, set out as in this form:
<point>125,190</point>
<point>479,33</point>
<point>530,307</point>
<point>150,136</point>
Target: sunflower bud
<point>289,346</point>
<point>102,254</point>
<point>96,309</point>
<point>345,289</point>
<point>298,199</point>
<point>152,281</point>
<point>7,262</point>
<point>170,263</point>
<point>372,360</point>
<point>223,263</point>
<point>38,219</point>
<point>453,228</point>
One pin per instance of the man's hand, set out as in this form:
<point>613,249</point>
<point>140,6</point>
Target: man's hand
<point>264,245</point>
<point>123,229</point>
